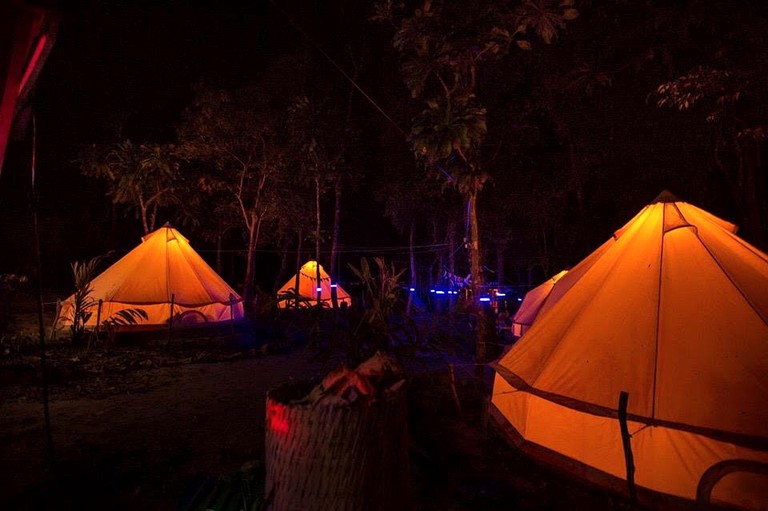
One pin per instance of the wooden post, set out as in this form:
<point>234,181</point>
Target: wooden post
<point>625,440</point>
<point>98,316</point>
<point>170,317</point>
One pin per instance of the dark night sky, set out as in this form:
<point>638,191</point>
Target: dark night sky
<point>124,69</point>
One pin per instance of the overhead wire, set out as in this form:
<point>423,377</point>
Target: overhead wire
<point>339,68</point>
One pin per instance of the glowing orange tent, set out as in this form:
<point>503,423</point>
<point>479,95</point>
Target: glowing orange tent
<point>164,277</point>
<point>308,289</point>
<point>672,310</point>
<point>532,303</point>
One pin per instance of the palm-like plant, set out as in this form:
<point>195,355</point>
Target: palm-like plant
<point>83,302</point>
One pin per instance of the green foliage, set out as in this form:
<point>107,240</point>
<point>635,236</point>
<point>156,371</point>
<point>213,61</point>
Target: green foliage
<point>379,323</point>
<point>144,177</point>
<point>701,84</point>
<point>448,126</point>
<point>231,141</point>
<point>9,286</point>
<point>382,294</point>
<point>290,297</point>
<point>544,18</point>
<point>443,45</point>
<point>83,302</point>
<point>121,318</point>
<point>241,491</point>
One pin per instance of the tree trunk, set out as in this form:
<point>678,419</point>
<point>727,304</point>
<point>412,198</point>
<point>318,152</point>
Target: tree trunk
<point>412,289</point>
<point>250,265</point>
<point>451,259</point>
<point>576,183</point>
<point>483,328</point>
<point>153,217</point>
<point>144,223</point>
<point>500,262</point>
<point>283,265</point>
<point>752,193</point>
<point>297,280</point>
<point>335,241</point>
<point>218,252</point>
<point>451,249</point>
<point>317,241</point>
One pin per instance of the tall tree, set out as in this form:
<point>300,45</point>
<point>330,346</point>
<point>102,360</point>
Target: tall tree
<point>316,130</point>
<point>726,87</point>
<point>233,134</point>
<point>444,46</point>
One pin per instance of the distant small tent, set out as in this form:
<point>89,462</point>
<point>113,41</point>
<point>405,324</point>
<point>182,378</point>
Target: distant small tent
<point>165,278</point>
<point>672,310</point>
<point>532,303</point>
<point>308,289</point>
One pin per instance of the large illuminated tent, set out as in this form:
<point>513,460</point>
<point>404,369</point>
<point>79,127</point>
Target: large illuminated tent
<point>165,278</point>
<point>672,310</point>
<point>532,304</point>
<point>307,276</point>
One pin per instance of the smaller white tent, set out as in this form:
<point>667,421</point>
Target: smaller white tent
<point>308,289</point>
<point>532,304</point>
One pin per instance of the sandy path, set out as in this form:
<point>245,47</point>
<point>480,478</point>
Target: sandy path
<point>146,448</point>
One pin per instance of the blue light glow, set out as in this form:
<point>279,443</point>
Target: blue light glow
<point>333,285</point>
<point>519,299</point>
<point>319,289</point>
<point>485,299</point>
<point>440,292</point>
<point>431,290</point>
<point>412,289</point>
<point>500,294</point>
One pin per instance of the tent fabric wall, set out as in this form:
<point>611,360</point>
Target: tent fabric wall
<point>673,310</point>
<point>163,270</point>
<point>308,288</point>
<point>532,303</point>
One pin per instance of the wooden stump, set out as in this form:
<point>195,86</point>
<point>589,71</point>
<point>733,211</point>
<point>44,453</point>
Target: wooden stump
<point>336,456</point>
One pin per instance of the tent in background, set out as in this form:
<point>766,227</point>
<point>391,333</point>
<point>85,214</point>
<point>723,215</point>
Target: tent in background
<point>672,310</point>
<point>308,289</point>
<point>532,303</point>
<point>164,277</point>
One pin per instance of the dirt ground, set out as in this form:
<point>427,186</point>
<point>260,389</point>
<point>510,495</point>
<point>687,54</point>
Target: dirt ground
<point>141,427</point>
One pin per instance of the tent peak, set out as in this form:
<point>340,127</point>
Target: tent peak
<point>665,196</point>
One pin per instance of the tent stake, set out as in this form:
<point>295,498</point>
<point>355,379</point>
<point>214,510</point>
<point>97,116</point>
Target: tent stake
<point>625,440</point>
